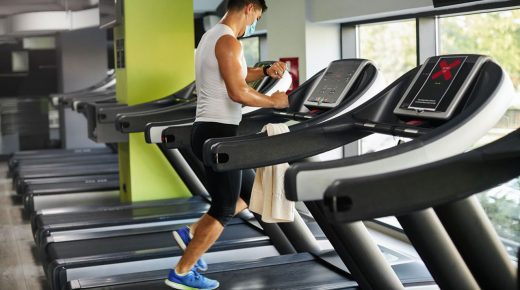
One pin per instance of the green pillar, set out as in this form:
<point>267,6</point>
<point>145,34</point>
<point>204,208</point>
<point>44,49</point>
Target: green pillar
<point>156,41</point>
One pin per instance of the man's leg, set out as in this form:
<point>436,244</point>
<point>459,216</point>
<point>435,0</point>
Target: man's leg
<point>241,205</point>
<point>207,231</point>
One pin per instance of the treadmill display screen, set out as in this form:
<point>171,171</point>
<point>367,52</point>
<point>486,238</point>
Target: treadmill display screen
<point>439,86</point>
<point>436,86</point>
<point>334,84</point>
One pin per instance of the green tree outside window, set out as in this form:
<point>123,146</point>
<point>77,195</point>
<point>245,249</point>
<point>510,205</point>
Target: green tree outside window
<point>496,34</point>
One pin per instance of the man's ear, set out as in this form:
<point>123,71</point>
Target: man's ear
<point>250,8</point>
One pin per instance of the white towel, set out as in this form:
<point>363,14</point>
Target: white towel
<point>268,194</point>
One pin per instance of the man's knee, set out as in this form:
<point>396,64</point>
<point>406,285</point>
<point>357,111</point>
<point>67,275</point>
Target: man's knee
<point>222,214</point>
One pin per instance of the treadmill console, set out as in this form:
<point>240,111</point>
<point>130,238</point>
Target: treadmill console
<point>334,83</point>
<point>439,86</point>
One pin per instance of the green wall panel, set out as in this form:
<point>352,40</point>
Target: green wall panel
<point>159,60</point>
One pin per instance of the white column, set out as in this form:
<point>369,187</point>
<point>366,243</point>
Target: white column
<point>291,34</point>
<point>83,62</point>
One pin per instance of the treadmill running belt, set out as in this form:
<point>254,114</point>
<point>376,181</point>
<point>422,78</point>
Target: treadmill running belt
<point>70,179</point>
<point>142,242</point>
<point>88,169</point>
<point>46,189</point>
<point>303,276</point>
<point>124,214</point>
<point>300,271</point>
<point>54,221</point>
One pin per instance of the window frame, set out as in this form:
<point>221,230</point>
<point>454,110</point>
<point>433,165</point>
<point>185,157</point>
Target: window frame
<point>262,45</point>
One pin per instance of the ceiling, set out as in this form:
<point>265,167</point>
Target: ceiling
<point>15,21</point>
<point>12,7</point>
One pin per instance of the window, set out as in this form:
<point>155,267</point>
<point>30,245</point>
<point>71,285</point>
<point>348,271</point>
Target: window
<point>41,42</point>
<point>496,34</point>
<point>251,47</point>
<point>392,46</point>
<point>20,61</point>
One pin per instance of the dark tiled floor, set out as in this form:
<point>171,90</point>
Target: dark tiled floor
<point>19,270</point>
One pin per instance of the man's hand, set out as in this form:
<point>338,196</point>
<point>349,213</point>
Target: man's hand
<point>280,100</point>
<point>276,70</point>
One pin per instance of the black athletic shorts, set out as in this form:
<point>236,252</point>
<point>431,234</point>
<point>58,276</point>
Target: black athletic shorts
<point>224,187</point>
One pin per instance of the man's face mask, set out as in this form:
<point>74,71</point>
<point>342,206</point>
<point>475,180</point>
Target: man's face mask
<point>250,29</point>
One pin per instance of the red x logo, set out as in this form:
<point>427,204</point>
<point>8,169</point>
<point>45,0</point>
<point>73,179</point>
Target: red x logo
<point>446,69</point>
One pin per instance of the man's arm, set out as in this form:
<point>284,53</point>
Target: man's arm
<point>227,51</point>
<point>254,74</point>
<point>275,71</point>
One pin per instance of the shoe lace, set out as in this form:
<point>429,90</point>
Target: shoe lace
<point>197,275</point>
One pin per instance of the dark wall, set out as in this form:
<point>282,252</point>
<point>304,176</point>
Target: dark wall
<point>41,79</point>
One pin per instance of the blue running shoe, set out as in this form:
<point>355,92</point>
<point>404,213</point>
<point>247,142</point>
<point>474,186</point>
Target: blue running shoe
<point>193,280</point>
<point>183,237</point>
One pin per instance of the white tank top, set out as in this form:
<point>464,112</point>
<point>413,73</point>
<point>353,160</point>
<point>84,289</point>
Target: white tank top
<point>213,101</point>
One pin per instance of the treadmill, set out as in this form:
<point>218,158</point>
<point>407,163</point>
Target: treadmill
<point>85,183</point>
<point>40,166</point>
<point>60,160</point>
<point>101,129</point>
<point>45,164</point>
<point>439,107</point>
<point>100,115</point>
<point>370,82</point>
<point>67,184</point>
<point>65,171</point>
<point>134,122</point>
<point>49,154</point>
<point>363,68</point>
<point>300,267</point>
<point>26,159</point>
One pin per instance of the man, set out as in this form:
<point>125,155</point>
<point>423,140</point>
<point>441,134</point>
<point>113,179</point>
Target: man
<point>221,80</point>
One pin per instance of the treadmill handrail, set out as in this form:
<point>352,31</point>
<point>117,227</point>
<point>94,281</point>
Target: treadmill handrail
<point>68,99</point>
<point>110,113</point>
<point>78,105</point>
<point>261,150</point>
<point>135,122</point>
<point>153,131</point>
<point>108,81</point>
<point>315,137</point>
<point>427,185</point>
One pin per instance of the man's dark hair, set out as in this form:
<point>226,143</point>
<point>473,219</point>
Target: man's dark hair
<point>239,4</point>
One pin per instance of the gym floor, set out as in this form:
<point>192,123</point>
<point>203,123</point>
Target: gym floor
<point>19,267</point>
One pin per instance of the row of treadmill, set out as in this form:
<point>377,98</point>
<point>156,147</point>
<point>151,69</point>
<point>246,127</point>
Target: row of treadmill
<point>87,239</point>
